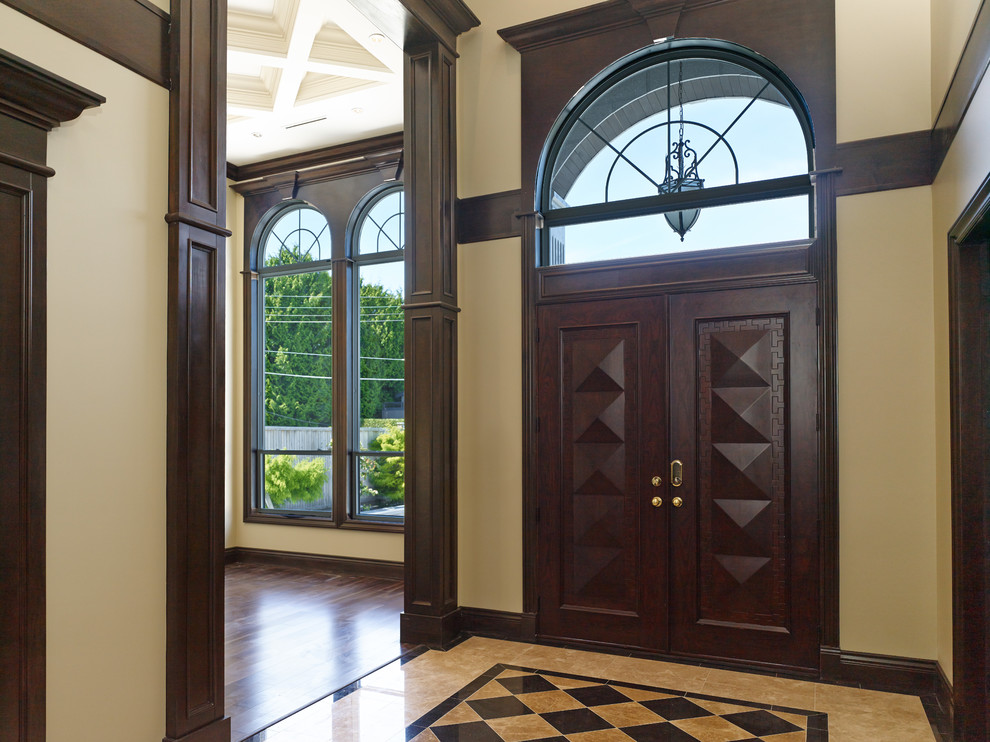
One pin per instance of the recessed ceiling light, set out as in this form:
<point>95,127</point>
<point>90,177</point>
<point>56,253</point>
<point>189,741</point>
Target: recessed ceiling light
<point>257,134</point>
<point>377,38</point>
<point>357,109</point>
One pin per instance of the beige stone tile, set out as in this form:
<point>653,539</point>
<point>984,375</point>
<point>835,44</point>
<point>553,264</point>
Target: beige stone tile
<point>638,694</point>
<point>627,714</point>
<point>838,696</point>
<point>494,689</point>
<point>762,689</point>
<point>551,700</point>
<point>572,661</point>
<point>711,729</point>
<point>789,737</point>
<point>460,714</point>
<point>520,728</point>
<point>562,682</point>
<point>603,735</point>
<point>425,736</point>
<point>687,678</point>
<point>721,708</point>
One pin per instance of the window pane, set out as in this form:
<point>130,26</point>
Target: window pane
<point>300,235</point>
<point>381,340</point>
<point>382,479</point>
<point>758,222</point>
<point>736,127</point>
<point>297,356</point>
<point>293,482</point>
<point>384,228</point>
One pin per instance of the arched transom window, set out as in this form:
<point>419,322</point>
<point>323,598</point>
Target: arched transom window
<point>683,146</point>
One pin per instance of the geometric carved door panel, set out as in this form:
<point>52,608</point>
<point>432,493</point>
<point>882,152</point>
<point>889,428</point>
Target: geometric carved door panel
<point>725,383</point>
<point>599,406</point>
<point>743,423</point>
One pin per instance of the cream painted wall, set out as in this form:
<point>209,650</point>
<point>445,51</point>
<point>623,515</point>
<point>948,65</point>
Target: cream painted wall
<point>951,22</point>
<point>883,80</point>
<point>886,424</point>
<point>488,95</point>
<point>489,378</point>
<point>964,169</point>
<point>107,277</point>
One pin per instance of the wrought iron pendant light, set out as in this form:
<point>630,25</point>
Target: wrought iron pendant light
<point>681,169</point>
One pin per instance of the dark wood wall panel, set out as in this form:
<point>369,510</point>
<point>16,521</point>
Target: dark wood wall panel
<point>430,614</point>
<point>195,413</point>
<point>133,33</point>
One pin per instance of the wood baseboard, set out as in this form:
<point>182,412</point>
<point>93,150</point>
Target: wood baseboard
<point>217,731</point>
<point>945,713</point>
<point>519,627</point>
<point>436,632</point>
<point>879,672</point>
<point>318,562</point>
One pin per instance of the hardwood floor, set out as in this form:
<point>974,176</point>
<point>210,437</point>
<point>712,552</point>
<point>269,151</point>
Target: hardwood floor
<point>293,636</point>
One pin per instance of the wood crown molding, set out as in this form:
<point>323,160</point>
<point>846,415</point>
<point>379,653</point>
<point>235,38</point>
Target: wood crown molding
<point>40,98</point>
<point>973,222</point>
<point>966,80</point>
<point>133,33</point>
<point>413,23</point>
<point>373,147</point>
<point>574,24</point>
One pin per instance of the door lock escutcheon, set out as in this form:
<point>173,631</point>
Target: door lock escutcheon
<point>676,473</point>
<point>656,502</point>
<point>656,481</point>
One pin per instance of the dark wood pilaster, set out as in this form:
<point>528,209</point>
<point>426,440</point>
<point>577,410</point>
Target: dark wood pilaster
<point>32,103</point>
<point>431,348</point>
<point>195,485</point>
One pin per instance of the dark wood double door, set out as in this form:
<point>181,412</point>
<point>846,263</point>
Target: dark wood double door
<point>708,402</point>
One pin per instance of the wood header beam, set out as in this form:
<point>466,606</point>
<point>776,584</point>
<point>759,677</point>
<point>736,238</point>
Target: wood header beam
<point>133,33</point>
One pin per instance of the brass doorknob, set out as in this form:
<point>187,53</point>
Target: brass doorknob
<point>656,502</point>
<point>677,502</point>
<point>656,481</point>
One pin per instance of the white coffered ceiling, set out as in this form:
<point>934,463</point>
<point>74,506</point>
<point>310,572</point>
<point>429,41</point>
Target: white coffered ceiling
<point>306,74</point>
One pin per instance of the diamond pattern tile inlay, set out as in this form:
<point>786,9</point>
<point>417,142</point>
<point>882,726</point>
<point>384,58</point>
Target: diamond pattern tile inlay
<point>579,708</point>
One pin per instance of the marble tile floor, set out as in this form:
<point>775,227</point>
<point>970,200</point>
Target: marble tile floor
<point>490,690</point>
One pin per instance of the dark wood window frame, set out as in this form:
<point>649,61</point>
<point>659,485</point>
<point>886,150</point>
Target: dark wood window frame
<point>32,103</point>
<point>800,39</point>
<point>379,155</point>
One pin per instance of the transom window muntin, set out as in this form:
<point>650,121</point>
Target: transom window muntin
<point>705,103</point>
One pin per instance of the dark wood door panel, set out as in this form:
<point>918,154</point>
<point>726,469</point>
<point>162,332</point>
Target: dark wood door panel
<point>743,417</point>
<point>601,403</point>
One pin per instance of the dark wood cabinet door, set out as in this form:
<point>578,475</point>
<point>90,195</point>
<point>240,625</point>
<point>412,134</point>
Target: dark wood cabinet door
<point>601,398</point>
<point>744,545</point>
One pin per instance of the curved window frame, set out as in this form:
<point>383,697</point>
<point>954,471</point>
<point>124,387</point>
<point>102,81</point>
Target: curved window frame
<point>261,272</point>
<point>358,260</point>
<point>666,51</point>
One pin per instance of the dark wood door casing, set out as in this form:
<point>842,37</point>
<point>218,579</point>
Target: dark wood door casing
<point>32,103</point>
<point>601,406</point>
<point>969,334</point>
<point>561,53</point>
